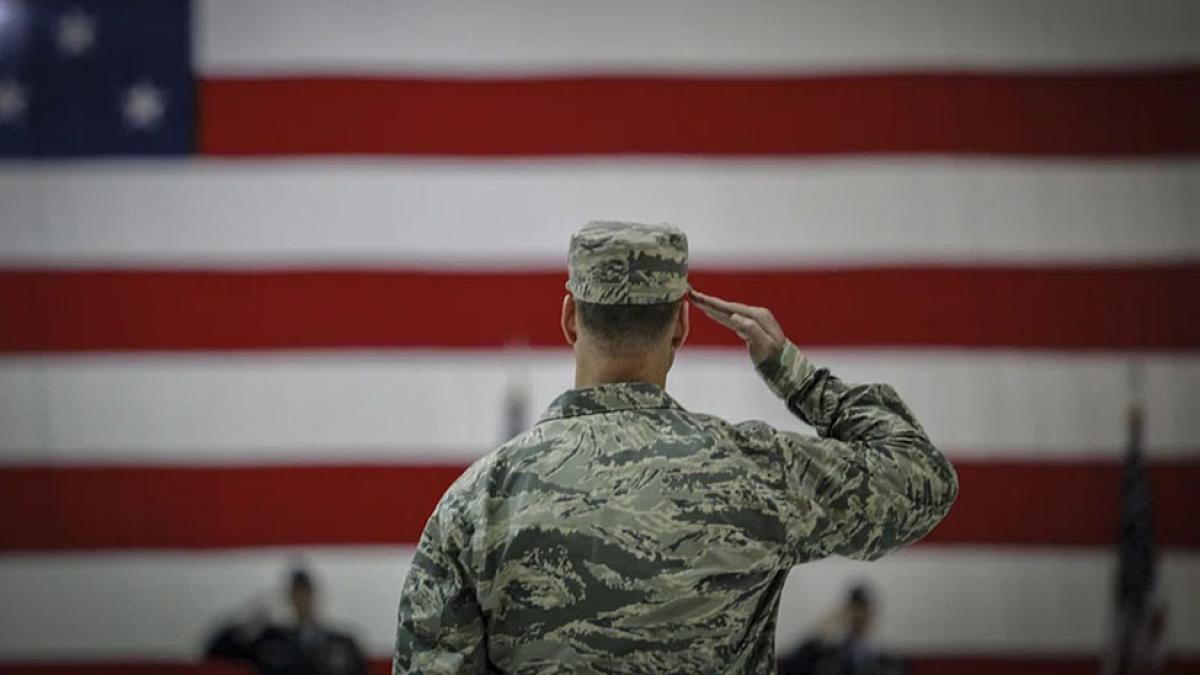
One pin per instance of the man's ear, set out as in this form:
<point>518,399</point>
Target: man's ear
<point>683,325</point>
<point>569,319</point>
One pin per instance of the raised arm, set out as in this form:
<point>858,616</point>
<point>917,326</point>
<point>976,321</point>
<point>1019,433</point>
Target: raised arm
<point>873,482</point>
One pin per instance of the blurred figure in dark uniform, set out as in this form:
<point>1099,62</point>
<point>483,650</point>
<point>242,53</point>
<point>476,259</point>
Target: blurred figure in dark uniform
<point>841,646</point>
<point>302,646</point>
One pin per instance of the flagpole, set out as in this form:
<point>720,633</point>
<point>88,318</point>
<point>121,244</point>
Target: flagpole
<point>1136,382</point>
<point>1137,616</point>
<point>517,389</point>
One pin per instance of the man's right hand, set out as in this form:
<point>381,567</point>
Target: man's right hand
<point>756,325</point>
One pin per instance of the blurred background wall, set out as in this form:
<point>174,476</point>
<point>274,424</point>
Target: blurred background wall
<point>273,273</point>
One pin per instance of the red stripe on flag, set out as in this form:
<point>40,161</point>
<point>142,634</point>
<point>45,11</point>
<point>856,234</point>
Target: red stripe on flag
<point>1072,503</point>
<point>1025,114</point>
<point>64,508</point>
<point>1076,308</point>
<point>173,507</point>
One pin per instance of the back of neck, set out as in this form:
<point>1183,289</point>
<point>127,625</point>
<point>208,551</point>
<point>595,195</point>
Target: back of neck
<point>593,369</point>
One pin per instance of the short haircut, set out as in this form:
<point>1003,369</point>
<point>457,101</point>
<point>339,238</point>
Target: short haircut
<point>623,328</point>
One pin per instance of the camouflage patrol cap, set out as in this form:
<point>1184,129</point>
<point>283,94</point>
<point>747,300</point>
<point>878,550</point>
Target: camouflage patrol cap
<point>613,263</point>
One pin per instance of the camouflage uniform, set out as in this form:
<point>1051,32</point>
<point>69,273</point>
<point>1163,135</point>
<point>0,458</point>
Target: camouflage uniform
<point>625,534</point>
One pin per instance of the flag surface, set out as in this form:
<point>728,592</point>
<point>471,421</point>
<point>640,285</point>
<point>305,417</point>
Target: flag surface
<point>262,268</point>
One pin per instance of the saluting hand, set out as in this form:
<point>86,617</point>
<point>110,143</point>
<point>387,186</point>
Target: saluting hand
<point>756,325</point>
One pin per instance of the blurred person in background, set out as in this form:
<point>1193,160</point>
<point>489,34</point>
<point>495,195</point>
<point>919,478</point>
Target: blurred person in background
<point>300,645</point>
<point>842,645</point>
<point>624,533</point>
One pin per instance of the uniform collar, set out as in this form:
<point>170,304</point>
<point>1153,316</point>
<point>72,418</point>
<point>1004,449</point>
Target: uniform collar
<point>609,398</point>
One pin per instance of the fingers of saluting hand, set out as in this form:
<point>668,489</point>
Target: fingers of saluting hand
<point>728,307</point>
<point>712,311</point>
<point>720,309</point>
<point>734,322</point>
<point>750,330</point>
<point>755,325</point>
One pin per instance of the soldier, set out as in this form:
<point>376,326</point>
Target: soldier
<point>305,645</point>
<point>625,534</point>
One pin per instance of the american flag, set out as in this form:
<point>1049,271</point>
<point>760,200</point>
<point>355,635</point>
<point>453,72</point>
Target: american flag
<point>262,263</point>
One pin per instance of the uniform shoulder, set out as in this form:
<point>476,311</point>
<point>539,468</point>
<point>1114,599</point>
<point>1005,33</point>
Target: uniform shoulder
<point>459,498</point>
<point>473,482</point>
<point>749,433</point>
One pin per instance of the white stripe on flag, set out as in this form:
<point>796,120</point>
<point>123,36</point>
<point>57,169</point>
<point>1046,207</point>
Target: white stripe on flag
<point>441,214</point>
<point>708,36</point>
<point>147,605</point>
<point>445,406</point>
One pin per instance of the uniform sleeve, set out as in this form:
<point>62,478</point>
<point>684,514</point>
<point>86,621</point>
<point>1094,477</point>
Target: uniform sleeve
<point>440,627</point>
<point>872,483</point>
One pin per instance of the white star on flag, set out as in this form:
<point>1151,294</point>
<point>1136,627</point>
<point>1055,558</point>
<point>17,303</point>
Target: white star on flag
<point>143,105</point>
<point>76,33</point>
<point>13,101</point>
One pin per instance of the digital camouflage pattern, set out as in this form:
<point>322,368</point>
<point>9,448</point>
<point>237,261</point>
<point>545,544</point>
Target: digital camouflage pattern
<point>624,534</point>
<point>611,263</point>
